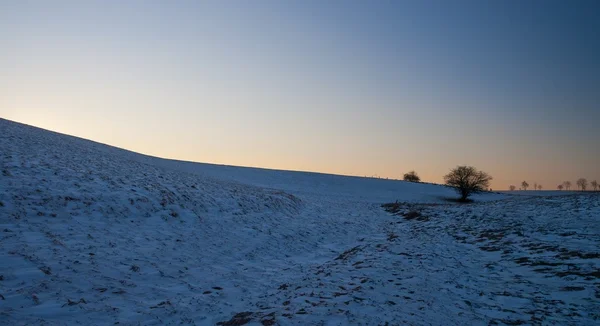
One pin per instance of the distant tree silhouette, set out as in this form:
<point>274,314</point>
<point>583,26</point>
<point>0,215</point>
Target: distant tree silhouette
<point>582,183</point>
<point>594,185</point>
<point>525,185</point>
<point>412,176</point>
<point>535,186</point>
<point>539,187</point>
<point>512,188</point>
<point>560,187</point>
<point>567,185</point>
<point>467,180</point>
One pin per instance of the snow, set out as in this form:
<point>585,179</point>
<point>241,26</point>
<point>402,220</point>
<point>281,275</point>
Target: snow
<point>542,193</point>
<point>92,234</point>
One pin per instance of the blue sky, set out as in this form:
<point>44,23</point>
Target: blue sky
<point>350,87</point>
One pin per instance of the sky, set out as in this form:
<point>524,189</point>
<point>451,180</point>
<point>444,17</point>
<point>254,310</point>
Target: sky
<point>367,88</point>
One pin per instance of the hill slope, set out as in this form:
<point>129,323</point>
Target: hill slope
<point>92,234</point>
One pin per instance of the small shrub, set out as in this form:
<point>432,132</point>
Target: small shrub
<point>412,176</point>
<point>392,207</point>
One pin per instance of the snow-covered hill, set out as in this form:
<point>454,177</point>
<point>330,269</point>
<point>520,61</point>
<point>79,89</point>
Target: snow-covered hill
<point>92,234</point>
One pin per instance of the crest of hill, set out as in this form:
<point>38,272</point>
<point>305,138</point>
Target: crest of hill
<point>69,153</point>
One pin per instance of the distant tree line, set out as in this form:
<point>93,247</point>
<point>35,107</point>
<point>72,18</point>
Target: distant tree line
<point>467,180</point>
<point>582,184</point>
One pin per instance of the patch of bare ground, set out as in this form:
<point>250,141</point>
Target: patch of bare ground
<point>348,253</point>
<point>409,211</point>
<point>241,318</point>
<point>245,317</point>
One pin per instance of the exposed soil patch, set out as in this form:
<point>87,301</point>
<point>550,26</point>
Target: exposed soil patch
<point>348,253</point>
<point>241,318</point>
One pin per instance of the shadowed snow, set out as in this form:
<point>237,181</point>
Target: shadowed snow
<point>92,234</point>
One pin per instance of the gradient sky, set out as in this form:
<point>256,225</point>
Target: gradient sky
<point>347,87</point>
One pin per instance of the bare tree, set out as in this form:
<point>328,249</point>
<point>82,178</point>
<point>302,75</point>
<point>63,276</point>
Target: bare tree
<point>535,186</point>
<point>567,185</point>
<point>594,185</point>
<point>560,187</point>
<point>525,185</point>
<point>582,183</point>
<point>539,187</point>
<point>467,180</point>
<point>412,176</point>
<point>512,188</point>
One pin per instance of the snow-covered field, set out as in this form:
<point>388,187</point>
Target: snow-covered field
<point>543,193</point>
<point>91,234</point>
